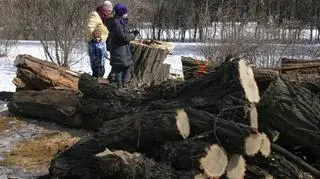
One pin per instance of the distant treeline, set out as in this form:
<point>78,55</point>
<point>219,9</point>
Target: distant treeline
<point>38,19</point>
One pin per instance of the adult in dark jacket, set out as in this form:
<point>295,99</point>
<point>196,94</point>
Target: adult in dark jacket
<point>120,37</point>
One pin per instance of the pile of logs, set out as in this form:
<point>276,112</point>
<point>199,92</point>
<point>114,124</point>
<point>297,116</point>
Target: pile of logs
<point>229,123</point>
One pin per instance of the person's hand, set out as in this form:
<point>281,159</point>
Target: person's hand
<point>136,32</point>
<point>96,34</point>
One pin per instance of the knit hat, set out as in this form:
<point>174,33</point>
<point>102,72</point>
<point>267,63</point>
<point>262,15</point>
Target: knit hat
<point>107,5</point>
<point>120,9</point>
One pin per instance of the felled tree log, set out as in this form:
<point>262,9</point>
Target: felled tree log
<point>117,165</point>
<point>294,112</point>
<point>140,131</point>
<point>293,66</point>
<point>148,67</point>
<point>275,166</point>
<point>229,137</point>
<point>36,74</point>
<point>264,77</point>
<point>194,68</point>
<point>61,106</point>
<point>230,92</point>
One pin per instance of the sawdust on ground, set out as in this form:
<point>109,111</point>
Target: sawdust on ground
<point>9,123</point>
<point>36,154</point>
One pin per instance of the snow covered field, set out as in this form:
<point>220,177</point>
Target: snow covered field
<point>8,71</point>
<point>268,53</point>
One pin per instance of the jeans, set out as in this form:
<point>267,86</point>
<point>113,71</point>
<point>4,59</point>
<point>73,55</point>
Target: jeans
<point>98,71</point>
<point>121,74</point>
<point>98,55</point>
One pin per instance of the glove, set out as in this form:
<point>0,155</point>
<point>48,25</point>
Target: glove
<point>136,32</point>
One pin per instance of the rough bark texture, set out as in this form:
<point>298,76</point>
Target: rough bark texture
<point>298,71</point>
<point>293,66</point>
<point>148,68</point>
<point>274,165</point>
<point>115,165</point>
<point>294,112</point>
<point>230,92</point>
<point>61,106</point>
<point>141,131</point>
<point>264,77</point>
<point>36,74</point>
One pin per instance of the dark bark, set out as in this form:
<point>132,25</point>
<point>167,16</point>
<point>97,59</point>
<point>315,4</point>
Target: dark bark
<point>294,112</point>
<point>115,166</point>
<point>141,131</point>
<point>6,96</point>
<point>61,106</point>
<point>230,92</point>
<point>276,165</point>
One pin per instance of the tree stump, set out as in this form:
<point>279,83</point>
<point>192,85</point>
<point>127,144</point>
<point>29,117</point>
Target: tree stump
<point>148,68</point>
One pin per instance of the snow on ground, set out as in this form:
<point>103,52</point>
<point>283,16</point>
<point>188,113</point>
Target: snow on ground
<point>265,55</point>
<point>8,71</point>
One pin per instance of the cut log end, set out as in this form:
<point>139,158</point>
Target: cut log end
<point>248,82</point>
<point>253,144</point>
<point>265,148</point>
<point>19,60</point>
<point>215,162</point>
<point>253,116</point>
<point>236,167</point>
<point>183,123</point>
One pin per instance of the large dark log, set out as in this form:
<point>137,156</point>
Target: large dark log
<point>194,155</point>
<point>115,165</point>
<point>148,67</point>
<point>274,166</point>
<point>61,106</point>
<point>233,138</point>
<point>87,158</point>
<point>36,74</point>
<point>230,92</point>
<point>264,76</point>
<point>141,131</point>
<point>294,112</point>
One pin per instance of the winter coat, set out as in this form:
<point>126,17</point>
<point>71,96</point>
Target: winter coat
<point>95,22</point>
<point>120,38</point>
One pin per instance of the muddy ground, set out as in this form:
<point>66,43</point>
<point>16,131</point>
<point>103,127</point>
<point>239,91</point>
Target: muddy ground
<point>28,145</point>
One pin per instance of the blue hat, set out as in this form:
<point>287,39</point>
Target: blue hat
<point>120,9</point>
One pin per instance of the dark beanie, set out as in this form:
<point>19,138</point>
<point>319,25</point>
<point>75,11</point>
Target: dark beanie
<point>120,9</point>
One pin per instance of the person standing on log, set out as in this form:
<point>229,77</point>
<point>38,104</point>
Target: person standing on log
<point>96,35</point>
<point>121,56</point>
